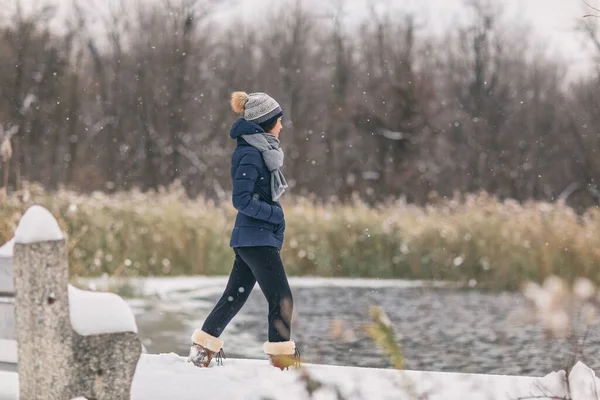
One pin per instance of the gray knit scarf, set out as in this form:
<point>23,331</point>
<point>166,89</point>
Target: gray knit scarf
<point>268,145</point>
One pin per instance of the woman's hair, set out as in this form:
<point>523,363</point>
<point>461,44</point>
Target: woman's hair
<point>269,125</point>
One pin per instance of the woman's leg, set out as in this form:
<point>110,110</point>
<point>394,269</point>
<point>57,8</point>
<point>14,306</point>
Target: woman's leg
<point>267,267</point>
<point>240,284</point>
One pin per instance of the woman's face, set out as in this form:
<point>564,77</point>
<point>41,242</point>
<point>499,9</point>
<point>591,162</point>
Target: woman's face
<point>277,128</point>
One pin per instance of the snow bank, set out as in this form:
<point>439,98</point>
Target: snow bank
<point>312,282</point>
<point>256,379</point>
<point>94,313</point>
<point>166,285</point>
<point>37,225</point>
<point>167,376</point>
<point>7,249</point>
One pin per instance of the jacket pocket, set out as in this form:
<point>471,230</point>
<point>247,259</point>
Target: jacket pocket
<point>263,195</point>
<point>243,220</point>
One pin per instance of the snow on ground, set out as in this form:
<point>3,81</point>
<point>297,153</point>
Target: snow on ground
<point>95,313</point>
<point>37,225</point>
<point>167,376</point>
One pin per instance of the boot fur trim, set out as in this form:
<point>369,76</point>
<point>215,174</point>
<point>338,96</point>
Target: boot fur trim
<point>208,341</point>
<point>280,348</point>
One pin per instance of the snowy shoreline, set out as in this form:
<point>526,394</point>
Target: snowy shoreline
<point>159,285</point>
<point>170,376</point>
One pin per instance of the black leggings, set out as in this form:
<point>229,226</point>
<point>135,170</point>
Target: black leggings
<point>252,264</point>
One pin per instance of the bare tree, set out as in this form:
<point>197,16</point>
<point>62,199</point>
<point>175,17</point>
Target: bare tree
<point>377,110</point>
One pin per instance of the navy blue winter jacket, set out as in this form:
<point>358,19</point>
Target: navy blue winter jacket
<point>260,220</point>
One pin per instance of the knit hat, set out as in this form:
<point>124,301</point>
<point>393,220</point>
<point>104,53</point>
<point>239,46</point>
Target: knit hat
<point>259,108</point>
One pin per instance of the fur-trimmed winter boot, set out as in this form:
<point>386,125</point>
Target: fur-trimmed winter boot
<point>282,355</point>
<point>205,347</point>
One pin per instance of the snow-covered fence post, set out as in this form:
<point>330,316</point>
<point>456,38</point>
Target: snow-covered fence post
<point>70,342</point>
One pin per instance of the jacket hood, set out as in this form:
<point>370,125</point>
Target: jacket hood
<point>244,127</point>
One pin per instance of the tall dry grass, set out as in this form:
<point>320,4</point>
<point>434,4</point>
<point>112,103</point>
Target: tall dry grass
<point>476,239</point>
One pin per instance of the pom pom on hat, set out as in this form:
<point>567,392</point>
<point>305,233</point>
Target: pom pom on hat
<point>238,101</point>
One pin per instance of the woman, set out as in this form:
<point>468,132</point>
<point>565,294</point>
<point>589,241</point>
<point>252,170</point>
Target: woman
<point>257,236</point>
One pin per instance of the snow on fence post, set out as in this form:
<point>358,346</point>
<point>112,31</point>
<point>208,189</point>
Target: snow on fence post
<point>70,342</point>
